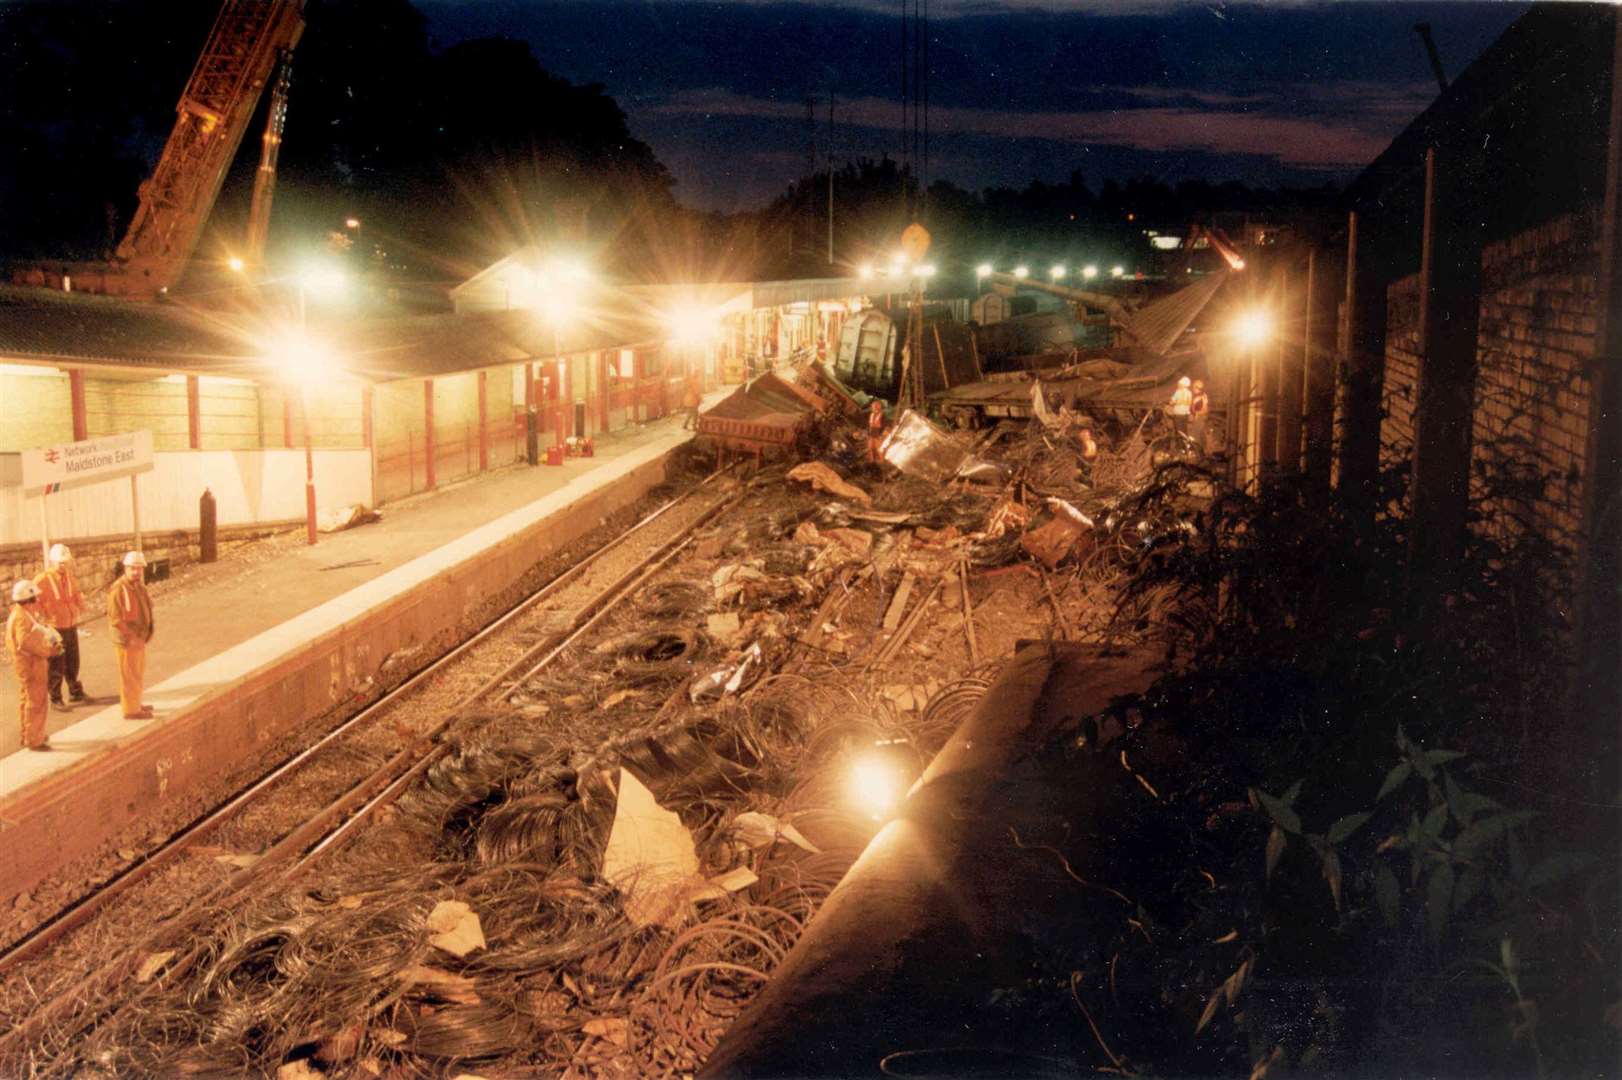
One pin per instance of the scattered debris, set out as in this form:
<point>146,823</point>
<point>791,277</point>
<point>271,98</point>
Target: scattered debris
<point>754,829</point>
<point>453,989</point>
<point>919,449</point>
<point>338,518</point>
<point>728,679</point>
<point>650,857</point>
<point>152,964</point>
<point>455,928</point>
<point>823,478</point>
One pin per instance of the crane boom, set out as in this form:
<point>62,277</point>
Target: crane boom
<point>249,38</point>
<point>264,181</point>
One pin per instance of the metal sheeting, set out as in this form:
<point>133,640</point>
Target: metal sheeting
<point>1157,325</point>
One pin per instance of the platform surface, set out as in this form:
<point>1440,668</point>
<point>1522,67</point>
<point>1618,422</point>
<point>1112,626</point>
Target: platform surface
<point>223,621</point>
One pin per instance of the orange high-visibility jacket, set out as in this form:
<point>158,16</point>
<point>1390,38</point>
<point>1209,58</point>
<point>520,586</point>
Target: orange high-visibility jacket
<point>60,601</point>
<point>129,609</point>
<point>27,640</point>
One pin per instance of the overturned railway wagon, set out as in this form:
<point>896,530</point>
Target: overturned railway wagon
<point>766,416</point>
<point>871,346</point>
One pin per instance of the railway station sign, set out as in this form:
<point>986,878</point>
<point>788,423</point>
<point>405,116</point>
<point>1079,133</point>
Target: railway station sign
<point>50,469</point>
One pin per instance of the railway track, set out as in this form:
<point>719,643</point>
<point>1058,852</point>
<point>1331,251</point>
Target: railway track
<point>420,712</point>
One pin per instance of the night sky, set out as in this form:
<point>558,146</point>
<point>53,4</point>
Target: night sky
<point>1287,94</point>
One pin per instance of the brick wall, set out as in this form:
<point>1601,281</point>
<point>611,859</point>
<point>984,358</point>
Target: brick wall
<point>1400,391</point>
<point>1538,313</point>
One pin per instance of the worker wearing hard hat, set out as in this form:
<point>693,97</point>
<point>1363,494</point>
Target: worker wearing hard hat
<point>1182,405</point>
<point>1199,416</point>
<point>32,644</point>
<point>61,604</point>
<point>129,610</point>
<point>875,431</point>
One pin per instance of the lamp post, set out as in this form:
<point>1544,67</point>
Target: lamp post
<point>307,361</point>
<point>1252,330</point>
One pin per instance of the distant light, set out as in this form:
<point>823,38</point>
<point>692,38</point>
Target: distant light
<point>1253,327</point>
<point>1022,271</point>
<point>236,264</point>
<point>982,271</point>
<point>1165,243</point>
<point>352,223</point>
<point>927,270</point>
<point>1089,271</point>
<point>1057,272</point>
<point>865,271</point>
<point>1116,271</point>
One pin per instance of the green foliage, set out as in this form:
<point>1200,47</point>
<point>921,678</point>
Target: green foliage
<point>1370,719</point>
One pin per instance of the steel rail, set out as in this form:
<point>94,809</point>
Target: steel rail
<point>85,907</point>
<point>414,758</point>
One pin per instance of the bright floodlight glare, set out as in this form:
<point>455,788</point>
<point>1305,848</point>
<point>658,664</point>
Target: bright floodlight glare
<point>302,358</point>
<point>865,271</point>
<point>1022,271</point>
<point>1089,271</point>
<point>1057,272</point>
<point>694,325</point>
<point>567,268</point>
<point>1116,271</point>
<point>983,270</point>
<point>235,263</point>
<point>875,785</point>
<point>1253,327</point>
<point>352,223</point>
<point>927,270</point>
<point>323,278</point>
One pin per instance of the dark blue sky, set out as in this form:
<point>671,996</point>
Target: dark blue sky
<point>1292,93</point>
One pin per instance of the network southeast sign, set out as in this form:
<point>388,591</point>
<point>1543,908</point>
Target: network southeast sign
<point>50,469</point>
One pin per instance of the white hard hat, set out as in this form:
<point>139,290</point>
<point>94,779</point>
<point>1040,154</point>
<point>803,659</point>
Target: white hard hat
<point>60,553</point>
<point>134,558</point>
<point>24,590</point>
<point>1184,381</point>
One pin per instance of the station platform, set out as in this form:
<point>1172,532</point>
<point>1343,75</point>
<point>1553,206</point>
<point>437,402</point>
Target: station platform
<point>249,647</point>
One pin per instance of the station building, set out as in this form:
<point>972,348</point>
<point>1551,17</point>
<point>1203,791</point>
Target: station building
<point>400,405</point>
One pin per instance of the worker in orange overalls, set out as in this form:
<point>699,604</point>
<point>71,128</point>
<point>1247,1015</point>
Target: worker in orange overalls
<point>129,610</point>
<point>691,399</point>
<point>32,644</point>
<point>1199,416</point>
<point>875,430</point>
<point>1182,404</point>
<point>60,606</point>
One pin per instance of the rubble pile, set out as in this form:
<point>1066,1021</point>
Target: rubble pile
<point>598,880</point>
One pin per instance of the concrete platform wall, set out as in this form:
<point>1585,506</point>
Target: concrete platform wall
<point>304,668</point>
